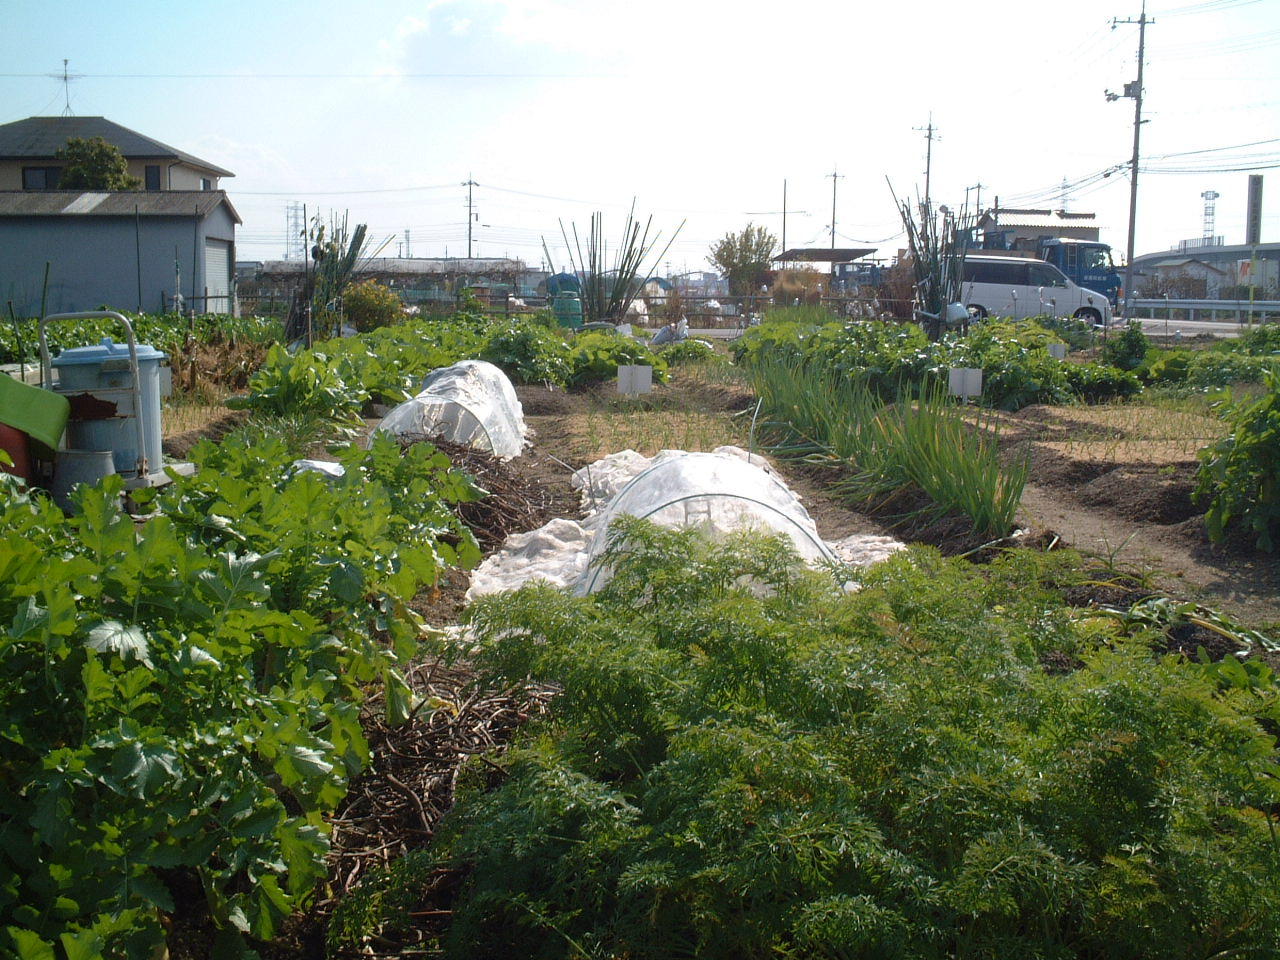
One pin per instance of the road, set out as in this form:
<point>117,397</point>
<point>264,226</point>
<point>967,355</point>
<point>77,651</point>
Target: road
<point>1158,328</point>
<point>1189,328</point>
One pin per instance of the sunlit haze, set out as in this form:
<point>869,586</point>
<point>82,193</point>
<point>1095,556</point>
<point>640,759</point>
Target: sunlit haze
<point>698,110</point>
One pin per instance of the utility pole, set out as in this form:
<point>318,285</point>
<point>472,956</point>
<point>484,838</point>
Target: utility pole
<point>784,215</point>
<point>977,203</point>
<point>929,136</point>
<point>408,247</point>
<point>470,215</point>
<point>835,175</point>
<point>1133,91</point>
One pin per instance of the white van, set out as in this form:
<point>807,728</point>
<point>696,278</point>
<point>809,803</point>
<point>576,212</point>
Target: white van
<point>1015,287</point>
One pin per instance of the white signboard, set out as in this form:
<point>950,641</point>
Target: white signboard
<point>635,379</point>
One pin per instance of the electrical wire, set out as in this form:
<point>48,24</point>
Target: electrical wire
<point>1208,6</point>
<point>1234,146</point>
<point>1230,45</point>
<point>341,193</point>
<point>1198,170</point>
<point>329,76</point>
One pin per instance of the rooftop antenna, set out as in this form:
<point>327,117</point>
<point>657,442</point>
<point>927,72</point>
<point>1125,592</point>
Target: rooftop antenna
<point>66,89</point>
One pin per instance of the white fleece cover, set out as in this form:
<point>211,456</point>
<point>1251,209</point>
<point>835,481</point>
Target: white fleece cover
<point>721,491</point>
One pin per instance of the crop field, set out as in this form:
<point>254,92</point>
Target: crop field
<point>1116,433</point>
<point>257,716</point>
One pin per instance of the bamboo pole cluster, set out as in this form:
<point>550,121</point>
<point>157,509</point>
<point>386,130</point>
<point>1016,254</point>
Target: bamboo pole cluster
<point>610,286</point>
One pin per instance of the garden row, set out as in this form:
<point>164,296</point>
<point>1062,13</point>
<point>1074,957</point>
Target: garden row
<point>1244,359</point>
<point>1014,356</point>
<point>168,332</point>
<point>180,701</point>
<point>831,388</point>
<point>745,761</point>
<point>1017,367</point>
<point>339,378</point>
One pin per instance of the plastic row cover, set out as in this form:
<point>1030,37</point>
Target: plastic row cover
<point>470,403</point>
<point>719,492</point>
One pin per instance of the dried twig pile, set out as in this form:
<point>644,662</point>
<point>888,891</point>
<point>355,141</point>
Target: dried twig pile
<point>396,805</point>
<point>517,501</point>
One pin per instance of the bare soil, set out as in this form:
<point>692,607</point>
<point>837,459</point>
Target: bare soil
<point>1133,505</point>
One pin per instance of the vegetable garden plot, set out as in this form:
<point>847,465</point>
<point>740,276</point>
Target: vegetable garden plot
<point>721,492</point>
<point>471,403</point>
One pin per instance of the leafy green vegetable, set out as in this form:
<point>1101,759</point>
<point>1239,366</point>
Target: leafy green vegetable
<point>744,761</point>
<point>183,697</point>
<point>596,356</point>
<point>1239,475</point>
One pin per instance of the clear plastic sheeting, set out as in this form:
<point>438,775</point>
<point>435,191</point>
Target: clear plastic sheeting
<point>717,492</point>
<point>334,471</point>
<point>470,403</point>
<point>722,491</point>
<point>603,480</point>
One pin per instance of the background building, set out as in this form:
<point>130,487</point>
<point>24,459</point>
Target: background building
<point>128,250</point>
<point>28,155</point>
<point>1003,226</point>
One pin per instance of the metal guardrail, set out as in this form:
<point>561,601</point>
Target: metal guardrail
<point>1242,311</point>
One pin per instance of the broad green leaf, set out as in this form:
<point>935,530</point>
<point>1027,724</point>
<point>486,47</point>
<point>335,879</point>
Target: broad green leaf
<point>152,889</point>
<point>304,763</point>
<point>346,582</point>
<point>400,700</point>
<point>258,823</point>
<point>82,945</point>
<point>29,945</point>
<point>145,767</point>
<point>125,641</point>
<point>30,618</point>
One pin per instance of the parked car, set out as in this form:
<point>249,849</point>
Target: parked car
<point>1017,288</point>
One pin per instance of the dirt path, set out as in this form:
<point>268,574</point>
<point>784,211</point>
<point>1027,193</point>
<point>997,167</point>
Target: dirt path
<point>1177,556</point>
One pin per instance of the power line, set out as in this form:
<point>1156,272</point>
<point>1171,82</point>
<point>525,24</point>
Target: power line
<point>1234,146</point>
<point>1242,169</point>
<point>330,76</point>
<point>340,193</point>
<point>1208,6</point>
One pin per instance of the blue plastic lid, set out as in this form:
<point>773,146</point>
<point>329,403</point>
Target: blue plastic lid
<point>106,350</point>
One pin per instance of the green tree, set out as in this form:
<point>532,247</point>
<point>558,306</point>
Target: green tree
<point>91,163</point>
<point>743,258</point>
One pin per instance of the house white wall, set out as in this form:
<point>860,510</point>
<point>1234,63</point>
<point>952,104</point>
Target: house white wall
<point>174,175</point>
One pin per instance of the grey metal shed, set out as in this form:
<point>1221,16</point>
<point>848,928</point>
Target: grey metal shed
<point>127,250</point>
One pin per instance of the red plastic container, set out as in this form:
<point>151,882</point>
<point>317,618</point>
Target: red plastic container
<point>14,442</point>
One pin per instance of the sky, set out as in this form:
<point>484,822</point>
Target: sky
<point>696,111</point>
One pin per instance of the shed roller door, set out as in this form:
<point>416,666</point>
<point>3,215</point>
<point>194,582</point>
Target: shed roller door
<point>217,275</point>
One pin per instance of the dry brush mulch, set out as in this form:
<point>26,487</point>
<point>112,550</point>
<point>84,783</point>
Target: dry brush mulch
<point>396,805</point>
<point>522,494</point>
